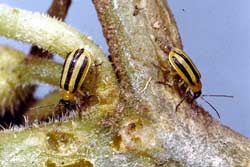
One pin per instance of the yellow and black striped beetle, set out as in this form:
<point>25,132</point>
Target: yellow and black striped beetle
<point>186,69</point>
<point>75,69</point>
<point>190,75</point>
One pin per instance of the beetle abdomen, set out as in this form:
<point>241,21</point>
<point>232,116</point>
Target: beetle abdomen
<point>75,69</point>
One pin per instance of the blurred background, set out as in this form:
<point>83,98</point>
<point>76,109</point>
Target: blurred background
<point>215,34</point>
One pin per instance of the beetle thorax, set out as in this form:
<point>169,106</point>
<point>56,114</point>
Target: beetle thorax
<point>197,87</point>
<point>67,95</point>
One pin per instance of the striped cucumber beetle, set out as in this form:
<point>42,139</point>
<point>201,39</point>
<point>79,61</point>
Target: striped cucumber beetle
<point>189,74</point>
<point>186,69</point>
<point>75,69</point>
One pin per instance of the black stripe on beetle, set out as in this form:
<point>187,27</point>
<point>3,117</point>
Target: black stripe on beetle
<point>190,64</point>
<point>79,76</point>
<point>77,54</point>
<point>182,68</point>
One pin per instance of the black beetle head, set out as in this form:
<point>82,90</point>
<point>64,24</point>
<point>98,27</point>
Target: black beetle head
<point>197,94</point>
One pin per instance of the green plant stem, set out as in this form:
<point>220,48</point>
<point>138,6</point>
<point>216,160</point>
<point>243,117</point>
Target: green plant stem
<point>58,9</point>
<point>74,143</point>
<point>38,70</point>
<point>57,37</point>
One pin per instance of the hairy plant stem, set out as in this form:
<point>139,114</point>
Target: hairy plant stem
<point>58,9</point>
<point>57,37</point>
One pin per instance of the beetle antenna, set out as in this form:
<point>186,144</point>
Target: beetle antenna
<point>211,106</point>
<point>49,105</point>
<point>217,95</point>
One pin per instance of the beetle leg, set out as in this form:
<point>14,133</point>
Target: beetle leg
<point>180,85</point>
<point>187,90</point>
<point>164,83</point>
<point>78,108</point>
<point>81,92</point>
<point>98,64</point>
<point>173,73</point>
<point>182,100</point>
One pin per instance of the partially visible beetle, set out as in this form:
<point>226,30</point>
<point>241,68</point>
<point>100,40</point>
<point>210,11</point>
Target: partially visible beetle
<point>190,75</point>
<point>186,70</point>
<point>75,69</point>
